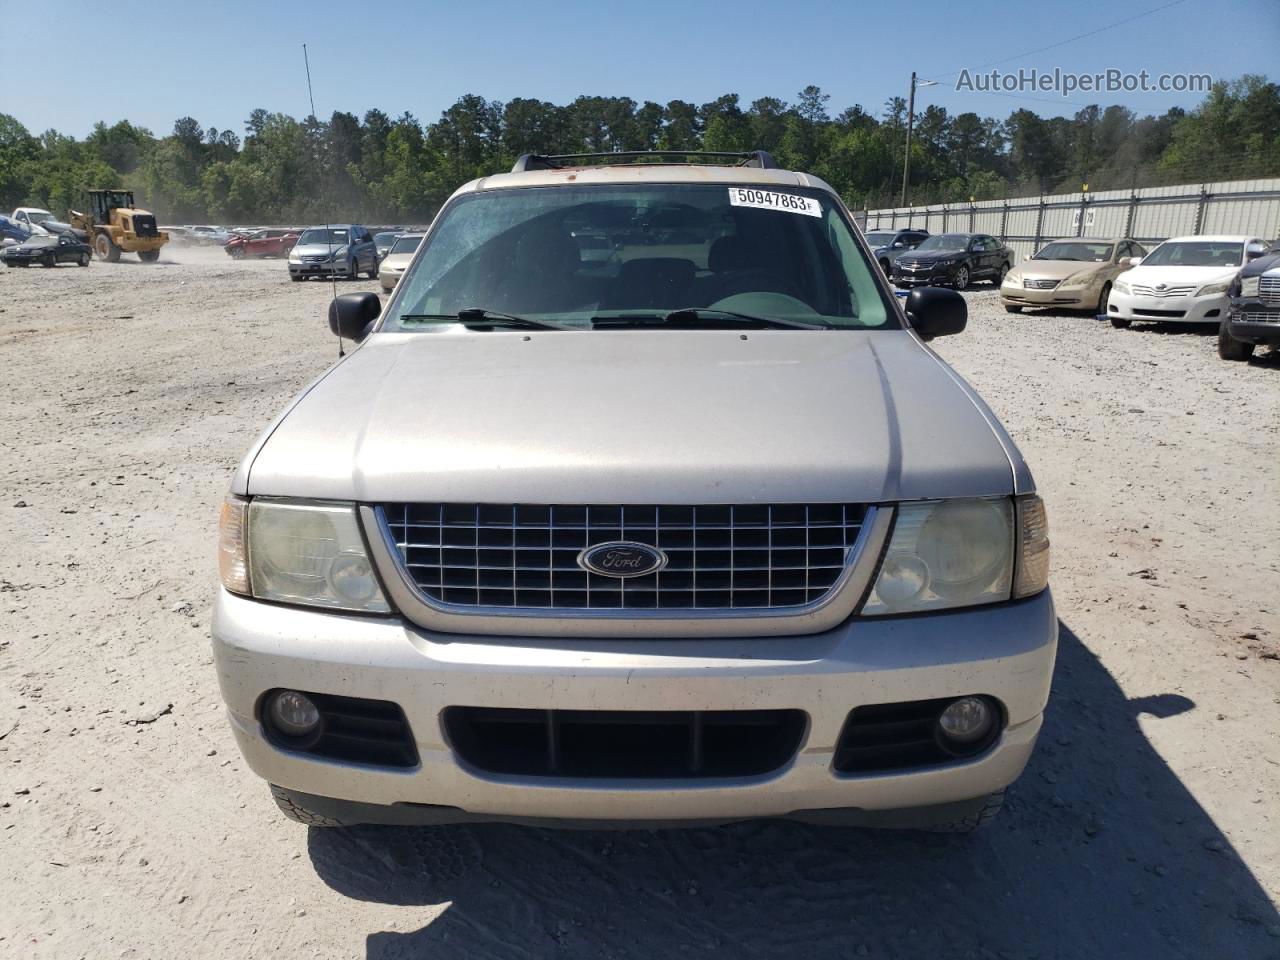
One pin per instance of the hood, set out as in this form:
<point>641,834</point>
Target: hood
<point>1256,268</point>
<point>1058,269</point>
<point>940,254</point>
<point>1150,276</point>
<point>318,249</point>
<point>397,261</point>
<point>636,417</point>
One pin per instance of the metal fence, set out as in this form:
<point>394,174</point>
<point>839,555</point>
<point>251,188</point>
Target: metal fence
<point>1148,215</point>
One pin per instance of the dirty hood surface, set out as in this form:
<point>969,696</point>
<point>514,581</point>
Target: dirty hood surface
<point>635,417</point>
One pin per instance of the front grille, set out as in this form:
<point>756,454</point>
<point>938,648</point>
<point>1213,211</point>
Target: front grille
<point>355,730</point>
<point>634,744</point>
<point>144,225</point>
<point>718,557</point>
<point>1176,291</point>
<point>1269,290</point>
<point>897,736</point>
<point>1040,284</point>
<point>314,258</point>
<point>1170,314</point>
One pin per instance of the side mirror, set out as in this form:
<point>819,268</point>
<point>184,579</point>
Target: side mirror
<point>351,314</point>
<point>1254,250</point>
<point>936,312</point>
<point>1133,261</point>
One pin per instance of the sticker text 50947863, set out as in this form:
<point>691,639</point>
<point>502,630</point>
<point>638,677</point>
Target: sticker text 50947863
<point>771,200</point>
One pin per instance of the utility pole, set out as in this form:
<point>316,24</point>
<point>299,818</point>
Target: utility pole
<point>911,117</point>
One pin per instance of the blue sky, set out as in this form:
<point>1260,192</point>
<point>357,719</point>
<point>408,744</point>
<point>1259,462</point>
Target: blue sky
<point>218,61</point>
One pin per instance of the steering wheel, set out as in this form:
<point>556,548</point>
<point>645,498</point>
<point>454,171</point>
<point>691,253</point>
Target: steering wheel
<point>732,282</point>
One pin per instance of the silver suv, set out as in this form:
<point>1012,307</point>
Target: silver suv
<point>642,501</point>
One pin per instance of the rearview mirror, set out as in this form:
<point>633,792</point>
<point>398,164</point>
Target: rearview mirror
<point>1133,261</point>
<point>351,314</point>
<point>1254,250</point>
<point>936,312</point>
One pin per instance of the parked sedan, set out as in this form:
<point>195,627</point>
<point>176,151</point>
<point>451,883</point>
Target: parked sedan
<point>397,260</point>
<point>953,260</point>
<point>1254,318</point>
<point>48,251</point>
<point>272,242</point>
<point>1076,273</point>
<point>1184,280</point>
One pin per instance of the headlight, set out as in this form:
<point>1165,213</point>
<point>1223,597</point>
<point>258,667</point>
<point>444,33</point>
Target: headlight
<point>1012,279</point>
<point>1212,288</point>
<point>957,553</point>
<point>295,257</point>
<point>1120,287</point>
<point>340,252</point>
<point>297,552</point>
<point>1249,286</point>
<point>1076,280</point>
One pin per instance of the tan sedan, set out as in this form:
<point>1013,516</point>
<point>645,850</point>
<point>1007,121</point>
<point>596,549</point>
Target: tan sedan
<point>397,260</point>
<point>1074,274</point>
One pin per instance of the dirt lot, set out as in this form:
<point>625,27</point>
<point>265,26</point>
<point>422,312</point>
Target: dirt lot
<point>1148,824</point>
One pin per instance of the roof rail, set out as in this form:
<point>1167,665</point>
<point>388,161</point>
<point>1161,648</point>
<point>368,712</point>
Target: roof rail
<point>534,161</point>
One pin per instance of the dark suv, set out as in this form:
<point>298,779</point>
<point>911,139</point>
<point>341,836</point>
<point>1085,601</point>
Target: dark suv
<point>889,245</point>
<point>953,260</point>
<point>1254,318</point>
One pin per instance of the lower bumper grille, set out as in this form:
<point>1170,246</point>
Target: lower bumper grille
<point>897,736</point>
<point>355,730</point>
<point>716,557</point>
<point>1159,313</point>
<point>624,744</point>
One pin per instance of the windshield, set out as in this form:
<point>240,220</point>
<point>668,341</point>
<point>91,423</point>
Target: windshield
<point>880,239</point>
<point>41,241</point>
<point>39,216</point>
<point>384,239</point>
<point>1064,250</point>
<point>1196,253</point>
<point>335,237</point>
<point>945,241</point>
<point>406,245</point>
<point>574,254</point>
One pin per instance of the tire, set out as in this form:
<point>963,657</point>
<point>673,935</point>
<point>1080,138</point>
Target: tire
<point>973,822</point>
<point>998,279</point>
<point>148,256</point>
<point>1229,348</point>
<point>1104,298</point>
<point>106,248</point>
<point>884,265</point>
<point>1012,308</point>
<point>301,814</point>
<point>296,278</point>
<point>373,270</point>
<point>83,261</point>
<point>353,269</point>
<point>49,261</point>
<point>961,280</point>
<point>1119,322</point>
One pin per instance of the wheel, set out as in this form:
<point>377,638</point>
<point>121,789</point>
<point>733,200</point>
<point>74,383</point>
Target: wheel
<point>301,814</point>
<point>373,270</point>
<point>884,265</point>
<point>106,248</point>
<point>49,261</point>
<point>975,821</point>
<point>1229,348</point>
<point>296,277</point>
<point>83,261</point>
<point>1104,298</point>
<point>961,279</point>
<point>1012,308</point>
<point>1119,322</point>
<point>998,279</point>
<point>148,256</point>
<point>353,269</point>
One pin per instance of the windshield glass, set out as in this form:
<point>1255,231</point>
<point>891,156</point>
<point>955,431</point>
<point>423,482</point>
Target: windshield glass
<point>1074,250</point>
<point>41,241</point>
<point>336,237</point>
<point>1197,253</point>
<point>880,239</point>
<point>571,254</point>
<point>945,241</point>
<point>39,216</point>
<point>406,245</point>
<point>384,239</point>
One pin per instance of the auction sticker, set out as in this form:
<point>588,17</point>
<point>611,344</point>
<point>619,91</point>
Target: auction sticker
<point>769,200</point>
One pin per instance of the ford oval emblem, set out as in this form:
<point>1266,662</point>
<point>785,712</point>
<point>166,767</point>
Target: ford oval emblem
<point>622,559</point>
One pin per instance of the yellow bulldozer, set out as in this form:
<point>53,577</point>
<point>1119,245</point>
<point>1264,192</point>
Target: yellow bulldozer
<point>113,225</point>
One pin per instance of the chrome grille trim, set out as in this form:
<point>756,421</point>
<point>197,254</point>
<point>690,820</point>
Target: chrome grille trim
<point>1256,316</point>
<point>1269,290</point>
<point>834,607</point>
<point>1032,284</point>
<point>1180,290</point>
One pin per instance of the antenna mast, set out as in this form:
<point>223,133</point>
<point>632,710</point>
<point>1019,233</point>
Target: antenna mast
<point>328,234</point>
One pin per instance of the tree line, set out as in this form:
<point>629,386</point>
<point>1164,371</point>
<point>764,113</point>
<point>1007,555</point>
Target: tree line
<point>383,170</point>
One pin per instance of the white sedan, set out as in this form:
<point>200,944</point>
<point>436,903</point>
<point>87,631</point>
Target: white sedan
<point>1184,280</point>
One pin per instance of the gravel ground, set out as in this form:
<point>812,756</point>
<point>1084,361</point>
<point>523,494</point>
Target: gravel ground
<point>1146,825</point>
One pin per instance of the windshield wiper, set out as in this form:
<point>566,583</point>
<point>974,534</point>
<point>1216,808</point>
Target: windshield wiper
<point>696,317</point>
<point>478,318</point>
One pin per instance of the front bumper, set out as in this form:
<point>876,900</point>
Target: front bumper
<point>1254,321</point>
<point>1015,294</point>
<point>317,269</point>
<point>1005,651</point>
<point>929,275</point>
<point>1189,309</point>
<point>389,278</point>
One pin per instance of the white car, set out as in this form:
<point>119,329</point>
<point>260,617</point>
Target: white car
<point>1184,280</point>
<point>397,260</point>
<point>32,219</point>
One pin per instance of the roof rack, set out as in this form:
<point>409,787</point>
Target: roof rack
<point>534,161</point>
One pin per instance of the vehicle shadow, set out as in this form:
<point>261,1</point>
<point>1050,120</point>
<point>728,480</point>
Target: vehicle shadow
<point>1100,852</point>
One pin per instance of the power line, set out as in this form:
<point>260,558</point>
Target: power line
<point>1063,43</point>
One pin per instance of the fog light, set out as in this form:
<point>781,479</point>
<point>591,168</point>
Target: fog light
<point>967,720</point>
<point>293,714</point>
